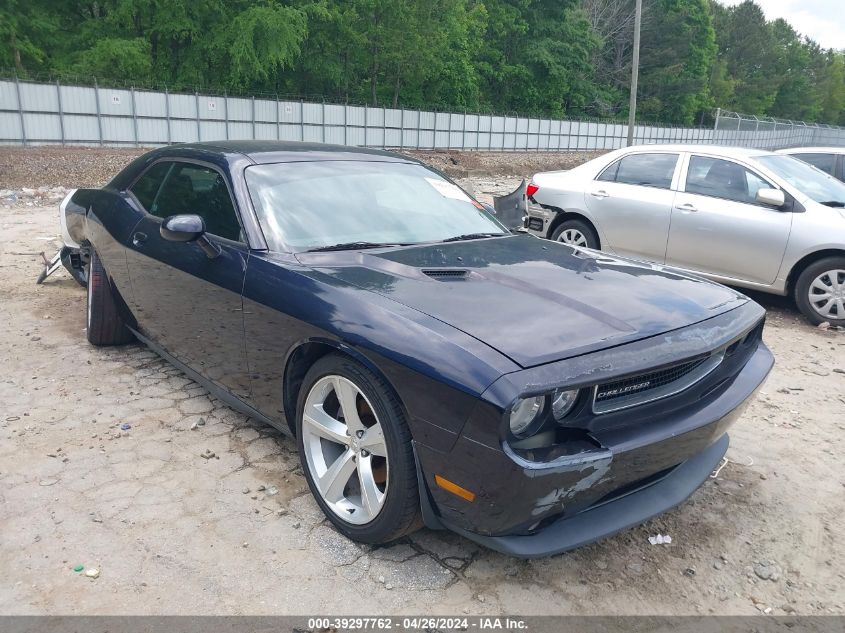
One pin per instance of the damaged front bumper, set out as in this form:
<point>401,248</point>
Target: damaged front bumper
<point>626,467</point>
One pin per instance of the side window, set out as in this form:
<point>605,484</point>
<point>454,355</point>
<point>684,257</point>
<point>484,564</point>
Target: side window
<point>649,170</point>
<point>824,162</point>
<point>201,190</point>
<point>723,179</point>
<point>609,174</point>
<point>147,186</point>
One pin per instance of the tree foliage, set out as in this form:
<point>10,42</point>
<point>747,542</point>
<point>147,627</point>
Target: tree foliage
<point>535,57</point>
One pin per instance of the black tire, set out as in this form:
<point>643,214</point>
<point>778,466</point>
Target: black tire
<point>582,227</point>
<point>400,512</point>
<point>802,289</point>
<point>104,324</point>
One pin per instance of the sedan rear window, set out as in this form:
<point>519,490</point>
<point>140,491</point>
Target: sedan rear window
<point>648,170</point>
<point>312,205</point>
<point>821,161</point>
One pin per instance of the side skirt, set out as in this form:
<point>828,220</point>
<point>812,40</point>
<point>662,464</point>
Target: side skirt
<point>215,390</point>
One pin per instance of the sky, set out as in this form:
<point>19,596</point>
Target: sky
<point>821,20</point>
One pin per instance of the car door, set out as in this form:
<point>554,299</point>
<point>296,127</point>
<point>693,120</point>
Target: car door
<point>718,227</point>
<point>631,200</point>
<point>184,301</point>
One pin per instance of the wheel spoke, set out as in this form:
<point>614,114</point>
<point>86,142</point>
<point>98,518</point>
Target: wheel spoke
<point>818,284</point>
<point>371,496</point>
<point>373,441</point>
<point>324,425</point>
<point>347,396</point>
<point>334,480</point>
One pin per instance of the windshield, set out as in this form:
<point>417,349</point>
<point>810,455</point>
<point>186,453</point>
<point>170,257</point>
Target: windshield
<point>313,205</point>
<point>807,179</point>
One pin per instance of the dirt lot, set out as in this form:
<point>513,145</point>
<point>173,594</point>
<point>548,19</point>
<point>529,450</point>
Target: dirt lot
<point>173,532</point>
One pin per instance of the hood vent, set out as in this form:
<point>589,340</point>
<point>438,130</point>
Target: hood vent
<point>446,274</point>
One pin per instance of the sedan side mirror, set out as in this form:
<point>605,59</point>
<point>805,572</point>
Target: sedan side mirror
<point>772,197</point>
<point>188,228</point>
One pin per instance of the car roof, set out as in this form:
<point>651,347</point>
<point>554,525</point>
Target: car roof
<point>723,150</point>
<point>812,150</point>
<point>287,151</point>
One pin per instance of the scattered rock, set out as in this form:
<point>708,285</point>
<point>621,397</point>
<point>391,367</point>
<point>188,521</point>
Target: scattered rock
<point>767,570</point>
<point>92,573</point>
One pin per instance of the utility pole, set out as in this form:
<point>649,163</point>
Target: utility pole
<point>635,70</point>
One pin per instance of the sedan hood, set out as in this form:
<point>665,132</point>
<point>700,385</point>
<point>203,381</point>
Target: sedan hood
<point>532,300</point>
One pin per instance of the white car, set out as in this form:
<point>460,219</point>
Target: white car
<point>744,217</point>
<point>830,160</point>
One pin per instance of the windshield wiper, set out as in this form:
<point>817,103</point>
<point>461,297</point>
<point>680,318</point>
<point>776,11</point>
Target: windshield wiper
<point>833,203</point>
<point>472,236</point>
<point>352,246</point>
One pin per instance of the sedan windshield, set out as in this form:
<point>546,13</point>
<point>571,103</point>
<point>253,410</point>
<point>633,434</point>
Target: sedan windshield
<point>807,179</point>
<point>340,205</point>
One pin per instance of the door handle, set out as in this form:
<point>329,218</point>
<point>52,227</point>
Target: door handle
<point>691,208</point>
<point>138,238</point>
<point>601,193</point>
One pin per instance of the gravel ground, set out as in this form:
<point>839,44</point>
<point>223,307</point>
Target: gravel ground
<point>53,166</point>
<point>104,463</point>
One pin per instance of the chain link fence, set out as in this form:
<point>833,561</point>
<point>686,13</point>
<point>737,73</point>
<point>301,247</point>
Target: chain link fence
<point>40,113</point>
<point>745,130</point>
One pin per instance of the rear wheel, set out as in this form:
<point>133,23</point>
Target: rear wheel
<point>820,291</point>
<point>355,449</point>
<point>576,233</point>
<point>104,325</point>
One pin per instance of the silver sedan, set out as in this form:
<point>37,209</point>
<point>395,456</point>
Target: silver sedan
<point>744,217</point>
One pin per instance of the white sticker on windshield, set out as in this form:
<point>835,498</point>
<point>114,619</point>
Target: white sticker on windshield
<point>447,189</point>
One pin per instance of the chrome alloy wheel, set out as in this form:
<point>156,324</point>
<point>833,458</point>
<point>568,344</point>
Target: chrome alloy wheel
<point>827,294</point>
<point>345,449</point>
<point>573,237</point>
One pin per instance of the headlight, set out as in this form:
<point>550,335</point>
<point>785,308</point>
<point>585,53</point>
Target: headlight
<point>562,402</point>
<point>525,413</point>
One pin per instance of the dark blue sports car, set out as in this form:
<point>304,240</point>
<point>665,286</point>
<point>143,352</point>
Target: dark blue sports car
<point>433,367</point>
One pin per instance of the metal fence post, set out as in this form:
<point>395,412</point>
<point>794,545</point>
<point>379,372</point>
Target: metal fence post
<point>402,128</point>
<point>366,122</point>
<point>301,120</point>
<point>323,120</point>
<point>383,127</point>
<point>99,117</point>
<point>20,110</point>
<point>253,118</point>
<point>167,113</point>
<point>134,116</point>
<point>278,125</point>
<point>346,124</point>
<point>61,111</point>
<point>197,104</point>
<point>226,113</point>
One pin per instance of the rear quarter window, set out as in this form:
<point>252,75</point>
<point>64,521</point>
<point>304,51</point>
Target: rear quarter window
<point>647,170</point>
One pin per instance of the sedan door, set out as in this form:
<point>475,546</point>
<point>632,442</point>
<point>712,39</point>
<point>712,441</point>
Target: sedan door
<point>631,200</point>
<point>185,301</point>
<point>719,228</point>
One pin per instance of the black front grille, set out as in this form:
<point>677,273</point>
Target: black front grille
<point>447,274</point>
<point>646,382</point>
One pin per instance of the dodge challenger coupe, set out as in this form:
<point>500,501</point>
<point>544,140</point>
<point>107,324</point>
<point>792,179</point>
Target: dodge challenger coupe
<point>433,367</point>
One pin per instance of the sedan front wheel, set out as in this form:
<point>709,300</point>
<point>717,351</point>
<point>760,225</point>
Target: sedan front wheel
<point>820,291</point>
<point>355,449</point>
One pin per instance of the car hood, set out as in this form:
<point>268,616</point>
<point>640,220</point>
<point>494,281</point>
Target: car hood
<point>533,300</point>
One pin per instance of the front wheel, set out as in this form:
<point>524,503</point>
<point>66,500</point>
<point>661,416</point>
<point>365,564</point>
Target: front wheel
<point>820,291</point>
<point>355,449</point>
<point>576,233</point>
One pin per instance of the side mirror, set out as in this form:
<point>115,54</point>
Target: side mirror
<point>182,228</point>
<point>772,197</point>
<point>189,228</point>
